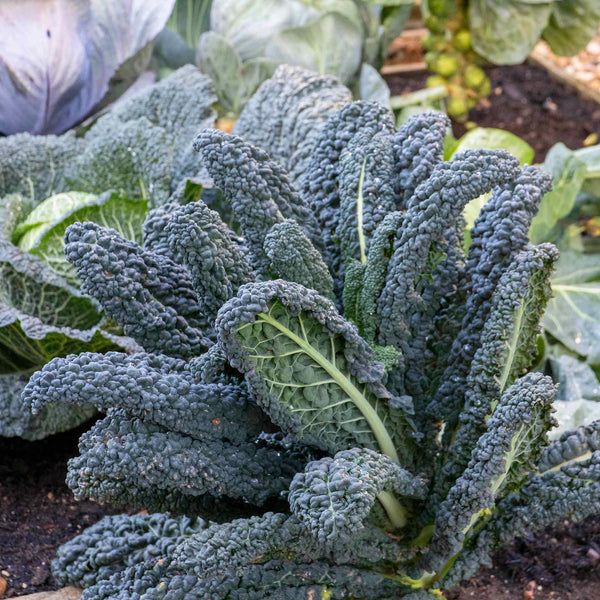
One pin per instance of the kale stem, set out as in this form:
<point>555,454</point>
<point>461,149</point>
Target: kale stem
<point>395,511</point>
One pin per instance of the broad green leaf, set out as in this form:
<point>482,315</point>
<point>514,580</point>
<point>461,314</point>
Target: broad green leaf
<point>591,157</point>
<point>577,379</point>
<point>249,25</point>
<point>372,85</point>
<point>28,285</point>
<point>111,209</point>
<point>572,25</point>
<point>189,19</point>
<point>573,314</point>
<point>505,31</point>
<point>218,59</point>
<point>568,175</point>
<point>394,15</point>
<point>235,82</point>
<point>45,214</point>
<point>26,343</point>
<point>573,414</point>
<point>330,45</point>
<point>171,51</point>
<point>42,317</point>
<point>490,138</point>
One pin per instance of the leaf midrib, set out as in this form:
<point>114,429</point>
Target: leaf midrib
<point>379,430</point>
<point>512,347</point>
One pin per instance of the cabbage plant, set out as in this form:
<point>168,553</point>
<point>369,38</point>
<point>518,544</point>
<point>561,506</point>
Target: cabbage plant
<point>243,42</point>
<point>58,57</point>
<point>135,157</point>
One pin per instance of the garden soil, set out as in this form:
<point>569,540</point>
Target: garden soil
<point>528,102</point>
<point>38,511</point>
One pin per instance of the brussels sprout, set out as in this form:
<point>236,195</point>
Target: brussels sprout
<point>462,40</point>
<point>435,81</point>
<point>457,107</point>
<point>445,65</point>
<point>474,77</point>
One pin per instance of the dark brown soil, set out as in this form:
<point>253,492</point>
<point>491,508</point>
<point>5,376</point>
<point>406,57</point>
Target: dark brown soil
<point>528,102</point>
<point>562,563</point>
<point>37,509</point>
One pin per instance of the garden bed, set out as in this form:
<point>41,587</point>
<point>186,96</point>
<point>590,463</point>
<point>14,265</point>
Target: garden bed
<point>38,513</point>
<point>527,101</point>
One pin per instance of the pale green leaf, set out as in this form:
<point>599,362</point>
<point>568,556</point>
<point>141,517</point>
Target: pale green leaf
<point>568,176</point>
<point>572,25</point>
<point>573,314</point>
<point>330,45</point>
<point>505,31</point>
<point>489,138</point>
<point>373,86</point>
<point>111,209</point>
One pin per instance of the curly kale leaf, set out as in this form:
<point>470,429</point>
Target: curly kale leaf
<point>258,189</point>
<point>366,193</point>
<point>131,157</point>
<point>334,496</point>
<point>274,580</point>
<point>375,272</point>
<point>151,387</point>
<point>309,369</point>
<point>293,257</point>
<point>499,234</point>
<point>17,419</point>
<point>148,294</point>
<point>117,542</point>
<point>411,296</point>
<point>180,104</point>
<point>418,146</point>
<point>217,264</point>
<point>131,461</point>
<point>321,184</point>
<point>229,546</point>
<point>578,444</point>
<point>155,238</point>
<point>508,348</point>
<point>515,437</point>
<point>568,487</point>
<point>286,114</point>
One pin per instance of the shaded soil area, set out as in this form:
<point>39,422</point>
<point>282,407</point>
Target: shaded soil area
<point>562,563</point>
<point>38,513</point>
<point>528,102</point>
<point>37,509</point>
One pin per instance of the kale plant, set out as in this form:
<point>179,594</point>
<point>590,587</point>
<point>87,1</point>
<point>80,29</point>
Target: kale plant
<point>131,159</point>
<point>338,398</point>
